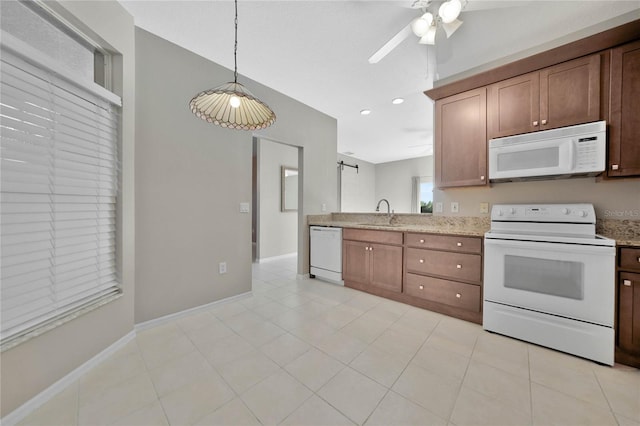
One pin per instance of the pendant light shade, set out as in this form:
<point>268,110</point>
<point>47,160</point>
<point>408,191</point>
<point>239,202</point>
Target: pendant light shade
<point>217,106</point>
<point>231,105</point>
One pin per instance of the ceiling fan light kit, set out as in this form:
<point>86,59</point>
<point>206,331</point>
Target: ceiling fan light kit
<point>231,105</point>
<point>449,11</point>
<point>425,26</point>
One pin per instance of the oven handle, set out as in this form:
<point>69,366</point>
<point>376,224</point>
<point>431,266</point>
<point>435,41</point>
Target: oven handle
<point>557,247</point>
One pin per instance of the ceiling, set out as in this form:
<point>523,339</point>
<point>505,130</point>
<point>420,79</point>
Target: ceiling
<point>316,52</point>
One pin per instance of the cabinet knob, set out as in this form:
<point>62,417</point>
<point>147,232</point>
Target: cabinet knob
<point>459,244</point>
<point>459,266</point>
<point>639,260</point>
<point>614,167</point>
<point>421,241</point>
<point>626,283</point>
<point>544,122</point>
<point>535,123</point>
<point>370,248</point>
<point>421,260</point>
<point>458,295</point>
<point>421,287</point>
<point>481,177</point>
<point>366,248</point>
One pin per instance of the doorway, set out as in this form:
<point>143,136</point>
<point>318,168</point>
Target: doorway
<point>277,199</point>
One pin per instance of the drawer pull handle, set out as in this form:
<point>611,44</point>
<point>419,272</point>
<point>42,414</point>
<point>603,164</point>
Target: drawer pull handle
<point>421,241</point>
<point>458,295</point>
<point>459,244</point>
<point>421,260</point>
<point>421,287</point>
<point>614,167</point>
<point>639,260</point>
<point>627,283</point>
<point>459,266</point>
<point>535,123</point>
<point>544,122</point>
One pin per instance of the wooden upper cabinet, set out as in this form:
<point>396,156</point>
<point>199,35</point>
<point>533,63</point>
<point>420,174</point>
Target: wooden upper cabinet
<point>513,106</point>
<point>624,120</point>
<point>461,139</point>
<point>570,93</point>
<point>558,96</point>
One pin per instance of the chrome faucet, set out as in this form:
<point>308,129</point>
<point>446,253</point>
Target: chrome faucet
<point>388,206</point>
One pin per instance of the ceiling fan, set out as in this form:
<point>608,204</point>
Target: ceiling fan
<point>426,25</point>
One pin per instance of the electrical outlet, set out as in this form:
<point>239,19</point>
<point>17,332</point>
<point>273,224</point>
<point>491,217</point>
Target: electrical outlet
<point>324,207</point>
<point>438,207</point>
<point>484,207</point>
<point>244,207</point>
<point>455,207</point>
<point>222,268</point>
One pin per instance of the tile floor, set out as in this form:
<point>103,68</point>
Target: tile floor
<point>304,352</point>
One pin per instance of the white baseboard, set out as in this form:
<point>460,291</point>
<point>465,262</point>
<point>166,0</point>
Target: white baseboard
<point>161,320</point>
<point>34,403</point>
<point>281,257</point>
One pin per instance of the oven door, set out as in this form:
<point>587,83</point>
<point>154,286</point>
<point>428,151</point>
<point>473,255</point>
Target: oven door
<point>568,280</point>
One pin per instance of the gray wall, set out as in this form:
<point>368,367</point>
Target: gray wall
<point>357,188</point>
<point>31,367</point>
<point>609,195</point>
<point>278,229</point>
<point>191,177</point>
<point>393,181</point>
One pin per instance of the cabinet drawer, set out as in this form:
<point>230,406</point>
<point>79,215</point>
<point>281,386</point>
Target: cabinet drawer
<point>630,259</point>
<point>444,242</point>
<point>465,296</point>
<point>383,237</point>
<point>457,266</point>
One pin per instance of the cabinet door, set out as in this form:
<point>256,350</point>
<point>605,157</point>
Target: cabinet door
<point>570,93</point>
<point>513,106</point>
<point>355,261</point>
<point>386,267</point>
<point>624,121</point>
<point>461,139</point>
<point>629,312</point>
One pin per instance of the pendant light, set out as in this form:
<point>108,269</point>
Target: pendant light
<point>231,105</point>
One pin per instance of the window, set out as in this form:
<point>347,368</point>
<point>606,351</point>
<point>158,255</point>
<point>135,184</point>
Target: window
<point>422,194</point>
<point>426,195</point>
<point>59,185</point>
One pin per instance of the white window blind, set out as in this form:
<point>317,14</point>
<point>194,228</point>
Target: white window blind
<point>59,182</point>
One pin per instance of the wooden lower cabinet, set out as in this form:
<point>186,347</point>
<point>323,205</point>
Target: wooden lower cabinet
<point>370,264</point>
<point>441,273</point>
<point>444,272</point>
<point>628,307</point>
<point>450,293</point>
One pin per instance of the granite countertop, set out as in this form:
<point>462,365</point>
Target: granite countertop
<point>625,232</point>
<point>466,226</point>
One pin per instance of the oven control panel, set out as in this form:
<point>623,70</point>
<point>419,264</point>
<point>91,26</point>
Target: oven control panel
<point>574,213</point>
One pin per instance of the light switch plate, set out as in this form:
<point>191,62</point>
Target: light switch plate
<point>244,207</point>
<point>484,207</point>
<point>455,207</point>
<point>222,268</point>
<point>324,207</point>
<point>438,207</point>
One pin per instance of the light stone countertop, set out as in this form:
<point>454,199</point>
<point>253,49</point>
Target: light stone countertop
<point>466,226</point>
<point>625,232</point>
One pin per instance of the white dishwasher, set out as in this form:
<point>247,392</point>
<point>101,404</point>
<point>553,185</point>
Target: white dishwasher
<point>326,253</point>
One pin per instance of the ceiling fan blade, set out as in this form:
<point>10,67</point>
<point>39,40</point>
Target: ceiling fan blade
<point>390,45</point>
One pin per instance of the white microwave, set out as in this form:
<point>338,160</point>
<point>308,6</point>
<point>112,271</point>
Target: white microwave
<point>574,150</point>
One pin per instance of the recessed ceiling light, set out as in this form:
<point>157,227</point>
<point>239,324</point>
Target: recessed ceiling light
<point>365,112</point>
<point>397,101</point>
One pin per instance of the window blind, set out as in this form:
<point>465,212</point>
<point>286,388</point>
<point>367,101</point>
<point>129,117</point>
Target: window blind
<point>59,183</point>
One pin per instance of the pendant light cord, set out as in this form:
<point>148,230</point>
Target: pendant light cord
<point>235,48</point>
